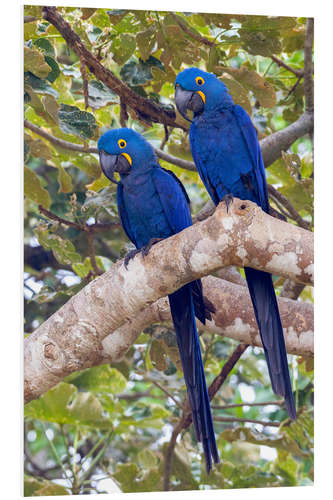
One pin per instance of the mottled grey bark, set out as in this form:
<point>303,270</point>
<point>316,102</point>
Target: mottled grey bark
<point>71,339</point>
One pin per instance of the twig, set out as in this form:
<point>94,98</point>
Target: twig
<point>271,146</point>
<point>251,420</point>
<point>29,19</point>
<point>238,405</point>
<point>52,216</point>
<point>279,62</point>
<point>167,393</point>
<point>84,81</point>
<point>146,109</point>
<point>165,138</point>
<point>92,255</point>
<point>98,226</point>
<point>293,88</point>
<point>286,203</point>
<point>186,419</point>
<point>169,455</point>
<point>196,36</point>
<point>123,113</point>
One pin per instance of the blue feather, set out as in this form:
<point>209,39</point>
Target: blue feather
<point>227,154</point>
<point>153,203</point>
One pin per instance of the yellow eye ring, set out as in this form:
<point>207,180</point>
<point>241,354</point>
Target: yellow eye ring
<point>200,81</point>
<point>122,143</point>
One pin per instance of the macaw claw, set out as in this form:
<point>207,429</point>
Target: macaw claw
<point>146,249</point>
<point>130,256</point>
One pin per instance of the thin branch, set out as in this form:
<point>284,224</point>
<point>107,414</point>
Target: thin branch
<point>84,81</point>
<point>98,226</point>
<point>123,113</point>
<point>294,87</point>
<point>167,393</point>
<point>29,19</point>
<point>240,405</point>
<point>186,419</point>
<point>271,146</point>
<point>286,203</point>
<point>192,34</point>
<point>265,423</point>
<point>97,270</point>
<point>146,109</point>
<point>165,138</point>
<point>52,216</point>
<point>297,72</point>
<point>60,143</point>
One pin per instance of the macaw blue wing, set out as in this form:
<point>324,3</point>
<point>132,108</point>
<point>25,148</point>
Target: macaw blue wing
<point>200,163</point>
<point>174,199</point>
<point>250,137</point>
<point>176,205</point>
<point>123,214</point>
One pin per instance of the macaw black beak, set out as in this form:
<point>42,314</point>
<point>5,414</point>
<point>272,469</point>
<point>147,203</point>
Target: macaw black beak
<point>114,163</point>
<point>188,100</point>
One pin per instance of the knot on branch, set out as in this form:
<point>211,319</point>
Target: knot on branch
<point>51,355</point>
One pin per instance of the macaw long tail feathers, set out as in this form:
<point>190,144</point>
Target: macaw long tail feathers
<point>269,323</point>
<point>182,310</point>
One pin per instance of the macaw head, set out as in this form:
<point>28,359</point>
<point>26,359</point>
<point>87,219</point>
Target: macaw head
<point>124,151</point>
<point>199,91</point>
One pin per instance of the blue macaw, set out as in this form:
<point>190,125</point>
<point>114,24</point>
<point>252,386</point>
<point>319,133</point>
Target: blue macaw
<point>226,152</point>
<point>152,205</point>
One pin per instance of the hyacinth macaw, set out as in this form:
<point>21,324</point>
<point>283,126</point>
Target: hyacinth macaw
<point>152,205</point>
<point>226,152</point>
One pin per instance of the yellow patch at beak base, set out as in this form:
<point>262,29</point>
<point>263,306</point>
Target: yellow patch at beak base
<point>202,95</point>
<point>128,158</point>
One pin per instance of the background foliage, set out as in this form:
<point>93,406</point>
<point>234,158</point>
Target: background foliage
<point>109,426</point>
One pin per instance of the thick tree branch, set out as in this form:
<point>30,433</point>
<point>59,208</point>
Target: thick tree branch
<point>274,144</point>
<point>71,338</point>
<point>234,319</point>
<point>147,110</point>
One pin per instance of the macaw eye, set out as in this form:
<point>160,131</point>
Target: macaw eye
<point>200,81</point>
<point>122,143</point>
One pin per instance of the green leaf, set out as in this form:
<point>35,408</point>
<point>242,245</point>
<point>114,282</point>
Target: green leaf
<point>74,121</point>
<point>136,73</point>
<point>65,181</point>
<point>87,12</point>
<point>146,42</point>
<point>116,15</point>
<point>131,481</point>
<point>101,379</point>
<point>34,190</point>
<point>251,80</point>
<point>63,250</point>
<point>38,148</point>
<point>39,85</point>
<point>147,458</point>
<point>63,404</point>
<point>55,71</point>
<point>123,47</point>
<point>45,46</point>
<point>35,487</point>
<point>34,62</point>
<point>100,95</point>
